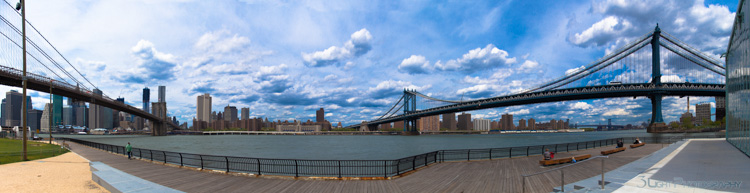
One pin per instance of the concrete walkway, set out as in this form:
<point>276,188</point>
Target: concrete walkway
<point>696,165</point>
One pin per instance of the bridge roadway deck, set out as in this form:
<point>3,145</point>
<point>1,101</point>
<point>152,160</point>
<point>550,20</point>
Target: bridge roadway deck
<point>502,175</point>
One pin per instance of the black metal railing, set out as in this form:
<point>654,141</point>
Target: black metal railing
<point>354,168</point>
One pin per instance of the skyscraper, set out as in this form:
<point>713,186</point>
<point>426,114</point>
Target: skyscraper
<point>68,116</point>
<point>464,122</point>
<point>204,108</point>
<point>721,110</point>
<point>99,116</point>
<point>449,121</point>
<point>429,123</point>
<point>230,113</point>
<point>57,110</point>
<point>3,113</point>
<point>521,124</point>
<point>12,108</point>
<point>320,115</point>
<point>162,94</point>
<point>703,113</point>
<point>481,125</point>
<point>507,122</point>
<point>245,113</point>
<point>532,124</point>
<point>146,98</point>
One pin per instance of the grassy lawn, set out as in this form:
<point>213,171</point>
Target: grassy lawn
<point>10,150</point>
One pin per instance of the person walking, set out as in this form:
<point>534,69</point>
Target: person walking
<point>128,148</point>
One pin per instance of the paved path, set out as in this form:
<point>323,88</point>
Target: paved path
<point>502,175</point>
<point>64,173</point>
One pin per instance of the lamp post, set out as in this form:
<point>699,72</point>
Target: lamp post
<point>21,6</point>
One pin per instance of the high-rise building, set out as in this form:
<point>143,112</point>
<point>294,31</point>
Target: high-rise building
<point>3,113</point>
<point>429,123</point>
<point>162,94</point>
<point>737,78</point>
<point>204,108</point>
<point>12,108</point>
<point>398,125</point>
<point>506,122</point>
<point>703,113</point>
<point>245,113</point>
<point>320,115</point>
<point>230,113</point>
<point>532,124</point>
<point>146,98</point>
<point>522,124</point>
<point>34,120</point>
<point>99,116</point>
<point>481,124</point>
<point>81,114</point>
<point>721,110</point>
<point>57,110</point>
<point>464,122</point>
<point>68,116</point>
<point>449,121</point>
<point>45,121</point>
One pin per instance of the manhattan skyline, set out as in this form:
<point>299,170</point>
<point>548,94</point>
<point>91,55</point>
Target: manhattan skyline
<point>354,59</point>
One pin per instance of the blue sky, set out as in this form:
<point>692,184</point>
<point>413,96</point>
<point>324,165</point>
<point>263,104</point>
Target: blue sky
<point>285,59</point>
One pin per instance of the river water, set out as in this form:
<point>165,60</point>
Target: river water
<point>347,147</point>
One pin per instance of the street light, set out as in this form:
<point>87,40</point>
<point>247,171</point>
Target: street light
<point>21,6</point>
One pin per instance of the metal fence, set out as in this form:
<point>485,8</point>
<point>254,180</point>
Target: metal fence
<point>353,168</point>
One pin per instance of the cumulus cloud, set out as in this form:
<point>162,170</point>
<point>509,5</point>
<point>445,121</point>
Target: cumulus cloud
<point>705,27</point>
<point>529,66</point>
<point>221,41</point>
<point>581,106</point>
<point>478,59</point>
<point>359,44</point>
<point>415,64</point>
<point>574,70</point>
<point>616,112</point>
<point>672,78</point>
<point>391,88</point>
<point>272,79</point>
<point>152,64</point>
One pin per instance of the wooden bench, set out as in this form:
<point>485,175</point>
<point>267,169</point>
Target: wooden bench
<point>637,145</point>
<point>611,151</point>
<point>564,160</point>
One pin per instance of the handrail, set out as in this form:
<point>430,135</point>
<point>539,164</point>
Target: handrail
<point>562,173</point>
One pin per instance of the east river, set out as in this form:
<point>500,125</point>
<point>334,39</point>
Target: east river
<point>348,147</point>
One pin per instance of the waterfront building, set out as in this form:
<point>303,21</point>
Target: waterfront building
<point>449,121</point>
<point>532,124</point>
<point>204,108</point>
<point>383,126</point>
<point>245,112</point>
<point>230,113</point>
<point>146,98</point>
<point>562,124</point>
<point>429,123</point>
<point>738,81</point>
<point>45,119</point>
<point>398,125</point>
<point>494,125</point>
<point>721,110</point>
<point>162,94</point>
<point>464,122</point>
<point>481,125</point>
<point>703,113</point>
<point>506,122</point>
<point>686,118</point>
<point>320,115</point>
<point>522,124</point>
<point>298,127</point>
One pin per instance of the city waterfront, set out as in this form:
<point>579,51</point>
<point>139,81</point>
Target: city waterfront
<point>350,147</point>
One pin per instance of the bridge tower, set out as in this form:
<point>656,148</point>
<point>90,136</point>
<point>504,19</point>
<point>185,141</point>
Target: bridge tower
<point>657,122</point>
<point>410,105</point>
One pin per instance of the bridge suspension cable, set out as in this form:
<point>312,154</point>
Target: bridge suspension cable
<point>394,106</point>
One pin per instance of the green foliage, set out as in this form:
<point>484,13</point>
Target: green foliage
<point>11,150</point>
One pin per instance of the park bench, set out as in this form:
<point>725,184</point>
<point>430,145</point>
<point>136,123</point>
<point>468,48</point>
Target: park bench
<point>637,145</point>
<point>564,160</point>
<point>611,151</point>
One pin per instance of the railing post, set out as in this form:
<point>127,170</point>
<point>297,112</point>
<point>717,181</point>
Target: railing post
<point>227,161</point>
<point>165,156</point>
<point>490,153</point>
<point>339,168</point>
<point>555,148</point>
<point>258,161</point>
<point>425,159</point>
<point>413,163</point>
<point>398,167</point>
<point>510,152</point>
<point>181,164</point>
<point>296,169</point>
<point>152,154</point>
<point>468,155</point>
<point>140,154</point>
<point>201,161</point>
<point>385,168</point>
<point>527,151</point>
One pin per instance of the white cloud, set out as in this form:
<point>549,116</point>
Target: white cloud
<point>574,70</point>
<point>358,45</point>
<point>415,64</point>
<point>478,59</point>
<point>581,106</point>
<point>529,66</point>
<point>616,112</point>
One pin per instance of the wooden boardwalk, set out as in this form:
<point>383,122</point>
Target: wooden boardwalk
<point>502,175</point>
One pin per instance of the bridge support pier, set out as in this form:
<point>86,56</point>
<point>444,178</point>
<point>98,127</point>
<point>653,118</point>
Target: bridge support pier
<point>657,122</point>
<point>410,106</point>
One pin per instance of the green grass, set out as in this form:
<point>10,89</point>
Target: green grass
<point>11,150</point>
